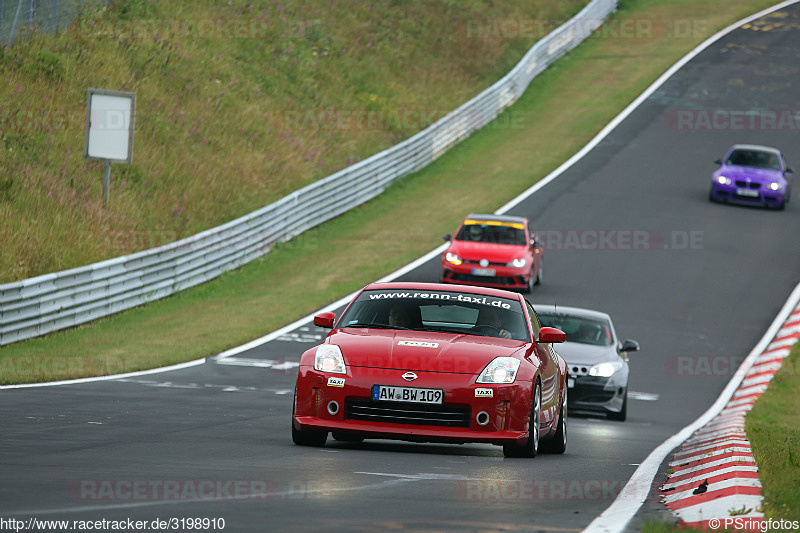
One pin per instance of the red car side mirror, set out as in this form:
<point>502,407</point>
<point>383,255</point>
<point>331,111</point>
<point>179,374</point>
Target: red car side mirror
<point>551,335</point>
<point>324,320</point>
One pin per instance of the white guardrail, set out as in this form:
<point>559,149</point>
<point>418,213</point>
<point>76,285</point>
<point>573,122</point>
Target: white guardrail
<point>51,302</point>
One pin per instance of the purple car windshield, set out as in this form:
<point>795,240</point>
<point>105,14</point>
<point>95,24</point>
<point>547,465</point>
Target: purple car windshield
<point>754,158</point>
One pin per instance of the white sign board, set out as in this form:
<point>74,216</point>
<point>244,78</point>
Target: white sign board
<point>110,125</point>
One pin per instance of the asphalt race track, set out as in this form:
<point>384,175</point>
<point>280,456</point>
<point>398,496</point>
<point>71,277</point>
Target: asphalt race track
<point>628,230</point>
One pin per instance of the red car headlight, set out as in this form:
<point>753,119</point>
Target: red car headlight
<point>500,370</point>
<point>517,263</point>
<point>329,359</point>
<point>450,257</point>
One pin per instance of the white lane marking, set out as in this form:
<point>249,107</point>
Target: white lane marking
<point>180,366</point>
<point>260,363</point>
<point>304,334</point>
<point>422,476</point>
<point>196,386</point>
<point>644,396</point>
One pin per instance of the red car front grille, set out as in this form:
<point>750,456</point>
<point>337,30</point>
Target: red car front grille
<point>477,262</point>
<point>485,279</point>
<point>405,413</point>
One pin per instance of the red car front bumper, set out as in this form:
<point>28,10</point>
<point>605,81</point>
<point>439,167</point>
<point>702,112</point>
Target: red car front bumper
<point>347,407</point>
<point>504,277</point>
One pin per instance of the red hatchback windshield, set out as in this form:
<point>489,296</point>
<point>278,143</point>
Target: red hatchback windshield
<point>496,233</point>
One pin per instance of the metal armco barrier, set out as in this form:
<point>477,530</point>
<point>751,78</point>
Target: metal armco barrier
<point>51,302</point>
<point>19,17</point>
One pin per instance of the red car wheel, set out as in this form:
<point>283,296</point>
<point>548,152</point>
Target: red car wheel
<point>531,446</point>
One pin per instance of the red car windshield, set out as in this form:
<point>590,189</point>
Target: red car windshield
<point>504,233</point>
<point>443,311</point>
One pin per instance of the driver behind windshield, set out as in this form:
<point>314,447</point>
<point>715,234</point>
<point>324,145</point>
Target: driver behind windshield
<point>399,317</point>
<point>489,318</point>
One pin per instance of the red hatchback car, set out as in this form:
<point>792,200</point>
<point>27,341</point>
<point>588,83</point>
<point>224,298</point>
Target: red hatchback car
<point>493,251</point>
<point>426,362</point>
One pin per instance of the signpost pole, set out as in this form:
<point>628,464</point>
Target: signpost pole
<point>106,180</point>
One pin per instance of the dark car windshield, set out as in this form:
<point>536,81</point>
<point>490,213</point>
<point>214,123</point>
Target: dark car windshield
<point>492,232</point>
<point>754,158</point>
<point>444,311</point>
<point>580,329</point>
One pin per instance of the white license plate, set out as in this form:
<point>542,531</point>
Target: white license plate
<point>570,383</point>
<point>407,394</point>
<point>747,192</point>
<point>483,272</point>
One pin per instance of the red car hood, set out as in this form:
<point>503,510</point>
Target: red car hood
<point>421,351</point>
<point>494,253</point>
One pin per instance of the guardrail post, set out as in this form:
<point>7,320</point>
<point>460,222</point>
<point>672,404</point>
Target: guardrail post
<point>14,24</point>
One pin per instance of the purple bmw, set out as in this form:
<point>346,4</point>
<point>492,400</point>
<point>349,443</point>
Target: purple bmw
<point>752,174</point>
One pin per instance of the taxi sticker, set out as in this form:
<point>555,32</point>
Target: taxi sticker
<point>335,382</point>
<point>484,393</point>
<point>419,344</point>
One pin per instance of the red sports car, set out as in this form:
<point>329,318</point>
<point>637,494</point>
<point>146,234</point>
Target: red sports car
<point>493,251</point>
<point>428,362</point>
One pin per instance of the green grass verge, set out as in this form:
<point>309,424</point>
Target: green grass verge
<point>557,116</point>
<point>773,427</point>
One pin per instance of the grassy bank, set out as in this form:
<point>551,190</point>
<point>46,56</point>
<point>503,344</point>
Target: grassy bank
<point>773,427</point>
<point>238,104</point>
<point>557,116</point>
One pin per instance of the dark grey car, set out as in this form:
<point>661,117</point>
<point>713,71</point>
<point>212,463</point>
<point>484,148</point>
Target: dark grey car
<point>597,360</point>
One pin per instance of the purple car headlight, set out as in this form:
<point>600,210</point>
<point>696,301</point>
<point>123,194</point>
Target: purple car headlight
<point>774,186</point>
<point>722,180</point>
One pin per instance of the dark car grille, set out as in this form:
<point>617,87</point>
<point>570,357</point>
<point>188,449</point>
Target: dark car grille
<point>477,262</point>
<point>589,395</point>
<point>484,279</point>
<point>576,371</point>
<point>405,413</point>
<point>751,184</point>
